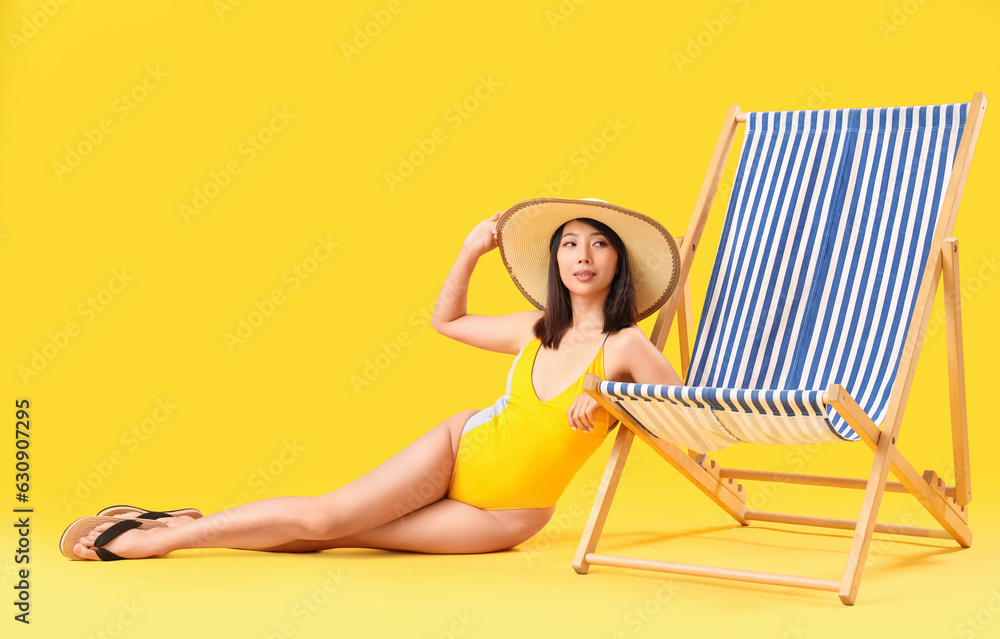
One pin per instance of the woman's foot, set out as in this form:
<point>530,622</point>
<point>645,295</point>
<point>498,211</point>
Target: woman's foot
<point>131,544</point>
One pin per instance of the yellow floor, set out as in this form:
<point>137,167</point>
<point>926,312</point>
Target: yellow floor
<point>911,587</point>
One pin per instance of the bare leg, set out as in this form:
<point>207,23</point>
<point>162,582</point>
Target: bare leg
<point>446,526</point>
<point>411,479</point>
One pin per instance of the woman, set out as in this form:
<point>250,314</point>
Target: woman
<point>482,480</point>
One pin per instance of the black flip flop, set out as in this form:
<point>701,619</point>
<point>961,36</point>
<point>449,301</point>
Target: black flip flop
<point>117,511</point>
<point>108,535</point>
<point>82,527</point>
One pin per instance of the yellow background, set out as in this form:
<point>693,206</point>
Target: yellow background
<point>550,77</point>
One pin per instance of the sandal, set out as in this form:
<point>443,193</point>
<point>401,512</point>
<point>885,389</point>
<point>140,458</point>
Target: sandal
<point>82,527</point>
<point>116,511</point>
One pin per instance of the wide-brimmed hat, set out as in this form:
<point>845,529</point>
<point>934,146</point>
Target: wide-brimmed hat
<point>525,230</point>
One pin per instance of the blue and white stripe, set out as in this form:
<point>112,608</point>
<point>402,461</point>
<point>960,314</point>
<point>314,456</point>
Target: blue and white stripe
<point>707,419</point>
<point>822,252</point>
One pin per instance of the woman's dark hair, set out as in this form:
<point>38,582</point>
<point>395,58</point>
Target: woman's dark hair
<point>619,307</point>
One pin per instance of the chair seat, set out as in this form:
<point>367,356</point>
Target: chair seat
<point>706,419</point>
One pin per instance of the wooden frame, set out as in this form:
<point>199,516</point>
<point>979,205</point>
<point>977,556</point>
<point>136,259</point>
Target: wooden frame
<point>947,504</point>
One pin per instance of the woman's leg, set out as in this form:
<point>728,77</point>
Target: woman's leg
<point>416,476</point>
<point>446,526</point>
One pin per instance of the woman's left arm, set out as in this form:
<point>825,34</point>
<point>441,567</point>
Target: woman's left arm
<point>645,365</point>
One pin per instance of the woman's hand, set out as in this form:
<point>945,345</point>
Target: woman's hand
<point>483,237</point>
<point>585,413</point>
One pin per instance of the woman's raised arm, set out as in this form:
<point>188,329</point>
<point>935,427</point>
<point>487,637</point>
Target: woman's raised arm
<point>503,333</point>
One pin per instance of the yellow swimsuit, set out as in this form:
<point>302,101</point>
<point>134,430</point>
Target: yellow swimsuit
<point>521,452</point>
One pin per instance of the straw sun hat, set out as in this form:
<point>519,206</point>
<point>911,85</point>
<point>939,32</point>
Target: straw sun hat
<point>525,230</point>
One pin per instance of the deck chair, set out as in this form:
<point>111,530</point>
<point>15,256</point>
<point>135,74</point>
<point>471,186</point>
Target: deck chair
<point>837,233</point>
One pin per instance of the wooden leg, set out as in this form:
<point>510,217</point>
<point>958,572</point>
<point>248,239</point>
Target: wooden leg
<point>866,522</point>
<point>956,371</point>
<point>602,501</point>
<point>946,511</point>
<point>685,328</point>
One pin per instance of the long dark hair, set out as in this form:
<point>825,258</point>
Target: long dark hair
<point>619,307</point>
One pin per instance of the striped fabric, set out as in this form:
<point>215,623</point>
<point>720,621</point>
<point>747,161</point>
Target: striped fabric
<point>827,233</point>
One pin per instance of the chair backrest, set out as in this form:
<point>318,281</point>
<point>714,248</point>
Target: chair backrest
<point>827,233</point>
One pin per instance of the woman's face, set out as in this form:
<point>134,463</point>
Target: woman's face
<point>587,261</point>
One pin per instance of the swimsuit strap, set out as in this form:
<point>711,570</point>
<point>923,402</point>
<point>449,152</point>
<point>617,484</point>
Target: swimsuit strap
<point>605,339</point>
